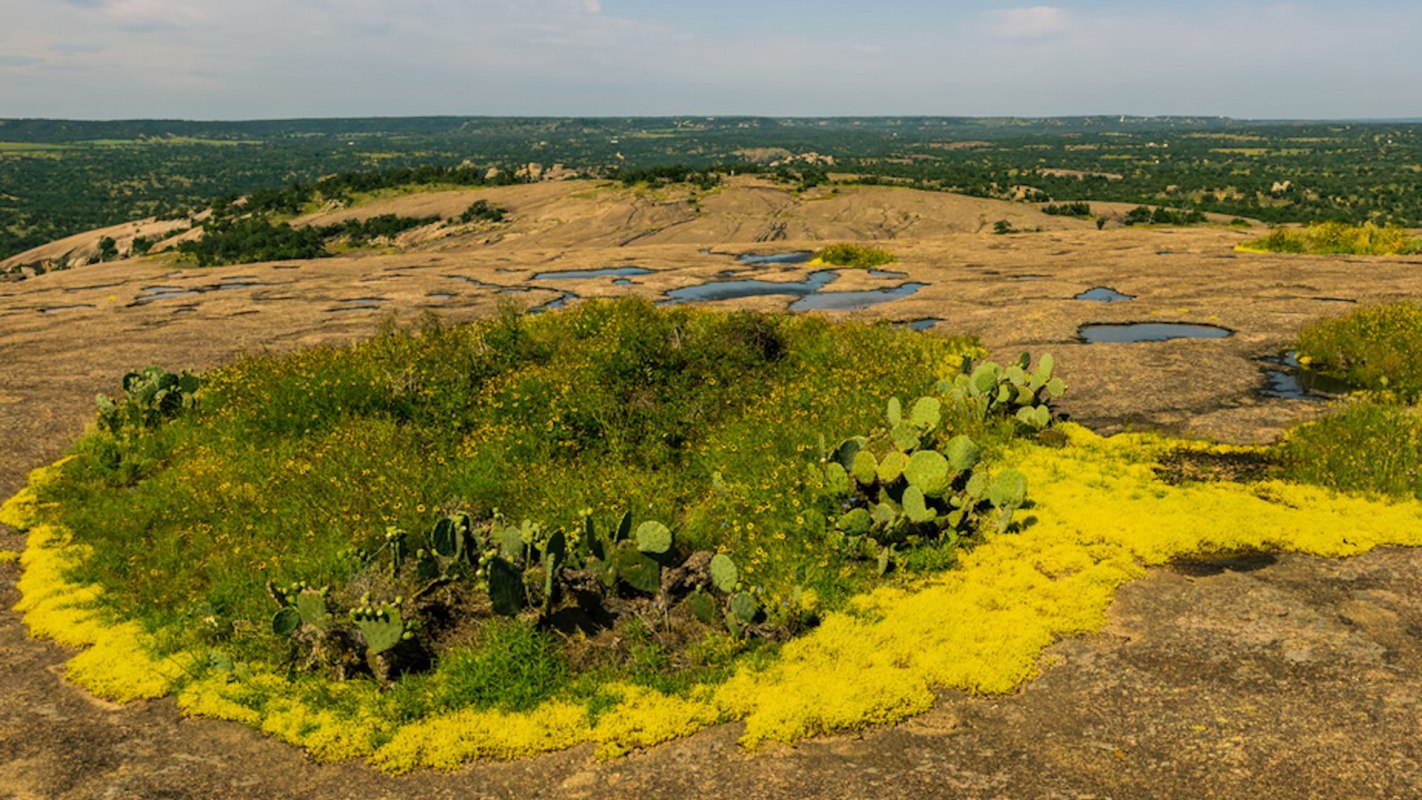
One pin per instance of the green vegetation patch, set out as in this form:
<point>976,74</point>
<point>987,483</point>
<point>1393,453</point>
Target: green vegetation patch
<point>1369,445</point>
<point>534,508</point>
<point>1373,348</point>
<point>1337,238</point>
<point>856,256</point>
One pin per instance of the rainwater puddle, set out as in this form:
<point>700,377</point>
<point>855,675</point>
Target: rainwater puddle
<point>624,282</point>
<point>1289,380</point>
<point>886,273</point>
<point>922,324</point>
<point>736,289</point>
<point>808,290</point>
<point>358,304</point>
<point>474,281</point>
<point>1029,277</point>
<point>1149,332</point>
<point>795,257</point>
<point>95,287</point>
<point>1104,294</point>
<point>851,301</point>
<point>440,295</point>
<point>60,309</point>
<point>605,272</point>
<point>558,302</point>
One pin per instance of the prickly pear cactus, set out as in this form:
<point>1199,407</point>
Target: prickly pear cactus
<point>724,574</point>
<point>382,627</point>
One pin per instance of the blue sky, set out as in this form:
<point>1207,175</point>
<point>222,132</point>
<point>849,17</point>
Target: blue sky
<point>243,59</point>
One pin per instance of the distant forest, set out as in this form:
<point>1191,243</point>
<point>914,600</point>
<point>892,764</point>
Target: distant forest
<point>62,177</point>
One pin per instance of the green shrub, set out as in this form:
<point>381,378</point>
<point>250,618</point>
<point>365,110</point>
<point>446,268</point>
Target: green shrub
<point>858,256</point>
<point>1367,446</point>
<point>1338,238</point>
<point>1375,348</point>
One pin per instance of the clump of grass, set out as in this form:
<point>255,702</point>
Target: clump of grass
<point>1368,446</point>
<point>1374,348</point>
<point>514,667</point>
<point>856,256</point>
<point>1337,238</point>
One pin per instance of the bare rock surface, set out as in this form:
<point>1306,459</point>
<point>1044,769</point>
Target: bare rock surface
<point>1260,678</point>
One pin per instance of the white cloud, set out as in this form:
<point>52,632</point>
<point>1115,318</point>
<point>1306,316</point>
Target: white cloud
<point>1032,22</point>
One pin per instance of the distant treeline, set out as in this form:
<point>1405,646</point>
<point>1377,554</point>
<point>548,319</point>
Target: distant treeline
<point>294,197</point>
<point>256,237</point>
<point>61,177</point>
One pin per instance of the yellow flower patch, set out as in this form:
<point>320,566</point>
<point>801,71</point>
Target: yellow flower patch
<point>1099,517</point>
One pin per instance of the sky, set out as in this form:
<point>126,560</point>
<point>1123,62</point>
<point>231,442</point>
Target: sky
<point>264,59</point>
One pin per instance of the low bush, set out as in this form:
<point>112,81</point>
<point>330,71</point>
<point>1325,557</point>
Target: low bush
<point>1374,348</point>
<point>857,256</point>
<point>1337,238</point>
<point>1368,446</point>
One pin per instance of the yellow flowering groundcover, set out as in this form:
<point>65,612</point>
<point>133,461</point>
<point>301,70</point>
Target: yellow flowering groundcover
<point>1099,517</point>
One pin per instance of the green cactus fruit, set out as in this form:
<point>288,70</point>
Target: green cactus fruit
<point>892,467</point>
<point>916,508</point>
<point>637,570</point>
<point>906,437</point>
<point>654,538</point>
<point>865,467</point>
<point>963,453</point>
<point>286,621</point>
<point>856,522</point>
<point>1008,489</point>
<point>382,629</point>
<point>1056,388</point>
<point>724,574</point>
<point>701,606</point>
<point>837,480</point>
<point>846,451</point>
<point>505,587</point>
<point>1024,360</point>
<point>927,413</point>
<point>928,470</point>
<point>744,607</point>
<point>895,412</point>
